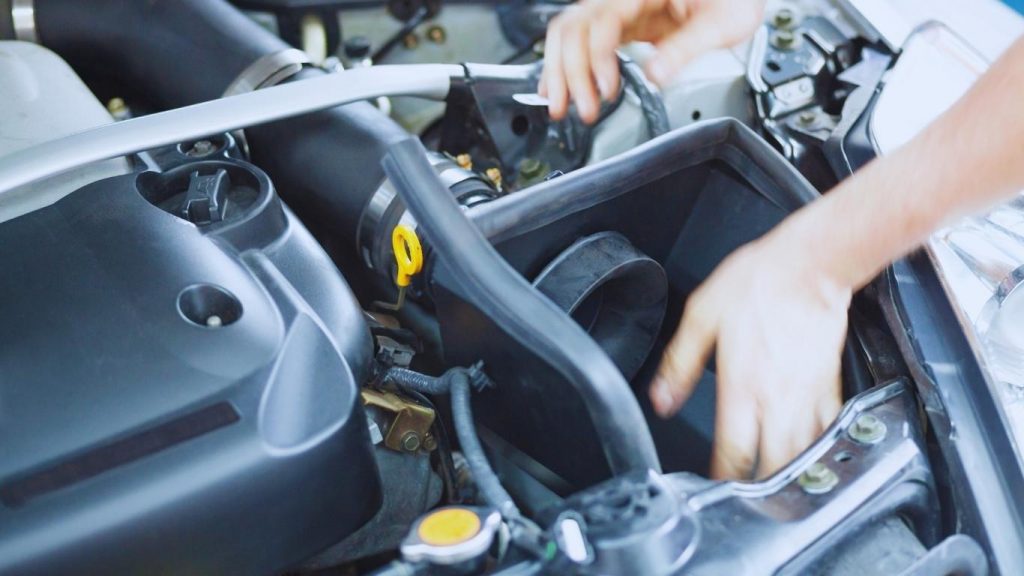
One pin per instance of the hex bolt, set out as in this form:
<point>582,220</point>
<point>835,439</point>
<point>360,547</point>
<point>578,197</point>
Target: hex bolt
<point>783,18</point>
<point>867,429</point>
<point>117,108</point>
<point>437,34</point>
<point>807,117</point>
<point>201,148</point>
<point>530,168</point>
<point>411,441</point>
<point>494,175</point>
<point>465,161</point>
<point>818,478</point>
<point>784,40</point>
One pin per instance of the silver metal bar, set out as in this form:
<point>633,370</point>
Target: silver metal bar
<point>23,16</point>
<point>57,156</point>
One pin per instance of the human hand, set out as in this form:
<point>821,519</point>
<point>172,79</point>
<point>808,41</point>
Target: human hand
<point>581,43</point>
<point>777,327</point>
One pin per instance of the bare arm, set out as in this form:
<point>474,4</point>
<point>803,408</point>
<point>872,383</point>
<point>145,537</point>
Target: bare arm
<point>968,159</point>
<point>775,310</point>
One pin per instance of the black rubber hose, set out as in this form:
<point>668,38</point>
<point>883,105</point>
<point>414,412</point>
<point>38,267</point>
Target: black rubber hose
<point>417,381</point>
<point>177,52</point>
<point>483,475</point>
<point>492,286</point>
<point>651,103</point>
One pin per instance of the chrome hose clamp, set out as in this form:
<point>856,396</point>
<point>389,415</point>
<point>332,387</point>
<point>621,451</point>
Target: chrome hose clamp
<point>270,70</point>
<point>23,16</point>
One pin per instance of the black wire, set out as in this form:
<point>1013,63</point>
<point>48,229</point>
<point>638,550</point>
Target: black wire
<point>443,452</point>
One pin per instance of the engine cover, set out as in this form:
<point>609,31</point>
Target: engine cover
<point>179,374</point>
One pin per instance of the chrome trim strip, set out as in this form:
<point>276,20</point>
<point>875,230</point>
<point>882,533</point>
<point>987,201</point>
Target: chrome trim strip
<point>270,70</point>
<point>57,156</point>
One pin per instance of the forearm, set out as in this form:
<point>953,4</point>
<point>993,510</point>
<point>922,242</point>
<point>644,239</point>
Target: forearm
<point>968,159</point>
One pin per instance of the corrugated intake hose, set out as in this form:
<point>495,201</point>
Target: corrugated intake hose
<point>483,277</point>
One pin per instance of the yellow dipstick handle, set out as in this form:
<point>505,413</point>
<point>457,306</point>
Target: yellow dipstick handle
<point>408,254</point>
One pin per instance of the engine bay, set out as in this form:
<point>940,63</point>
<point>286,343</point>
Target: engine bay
<point>291,289</point>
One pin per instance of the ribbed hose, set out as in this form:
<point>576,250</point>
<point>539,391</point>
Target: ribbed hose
<point>486,480</point>
<point>651,103</point>
<point>416,381</point>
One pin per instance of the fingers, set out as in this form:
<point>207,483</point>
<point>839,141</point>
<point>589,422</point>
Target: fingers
<point>736,429</point>
<point>685,357</point>
<point>553,79</point>
<point>829,406</point>
<point>605,35</point>
<point>576,67</point>
<point>788,427</point>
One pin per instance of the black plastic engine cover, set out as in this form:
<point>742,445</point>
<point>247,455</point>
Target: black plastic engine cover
<point>177,398</point>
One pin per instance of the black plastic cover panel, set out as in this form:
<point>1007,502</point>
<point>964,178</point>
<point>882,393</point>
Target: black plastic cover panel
<point>177,397</point>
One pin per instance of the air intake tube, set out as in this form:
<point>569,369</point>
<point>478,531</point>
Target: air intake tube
<point>174,53</point>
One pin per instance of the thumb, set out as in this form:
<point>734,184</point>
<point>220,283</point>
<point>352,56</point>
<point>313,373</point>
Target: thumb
<point>700,34</point>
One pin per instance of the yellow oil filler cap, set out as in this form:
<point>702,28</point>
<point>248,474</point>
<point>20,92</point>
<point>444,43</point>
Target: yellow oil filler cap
<point>452,535</point>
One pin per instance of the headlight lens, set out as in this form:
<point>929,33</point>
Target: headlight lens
<point>980,260</point>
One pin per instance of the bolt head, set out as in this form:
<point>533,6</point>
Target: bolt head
<point>530,167</point>
<point>867,429</point>
<point>411,41</point>
<point>818,478</point>
<point>201,148</point>
<point>783,18</point>
<point>437,34</point>
<point>807,117</point>
<point>411,441</point>
<point>784,40</point>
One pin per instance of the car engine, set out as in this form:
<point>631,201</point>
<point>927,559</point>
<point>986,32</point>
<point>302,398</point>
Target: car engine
<point>290,288</point>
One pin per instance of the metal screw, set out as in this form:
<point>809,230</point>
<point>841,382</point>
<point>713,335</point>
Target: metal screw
<point>530,168</point>
<point>494,175</point>
<point>807,117</point>
<point>465,161</point>
<point>784,40</point>
<point>818,479</point>
<point>201,148</point>
<point>783,18</point>
<point>411,441</point>
<point>411,41</point>
<point>214,321</point>
<point>117,108</point>
<point>867,429</point>
<point>429,443</point>
<point>437,34</point>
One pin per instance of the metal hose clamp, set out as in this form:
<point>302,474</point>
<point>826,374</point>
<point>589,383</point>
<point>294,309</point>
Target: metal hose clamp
<point>23,17</point>
<point>269,70</point>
